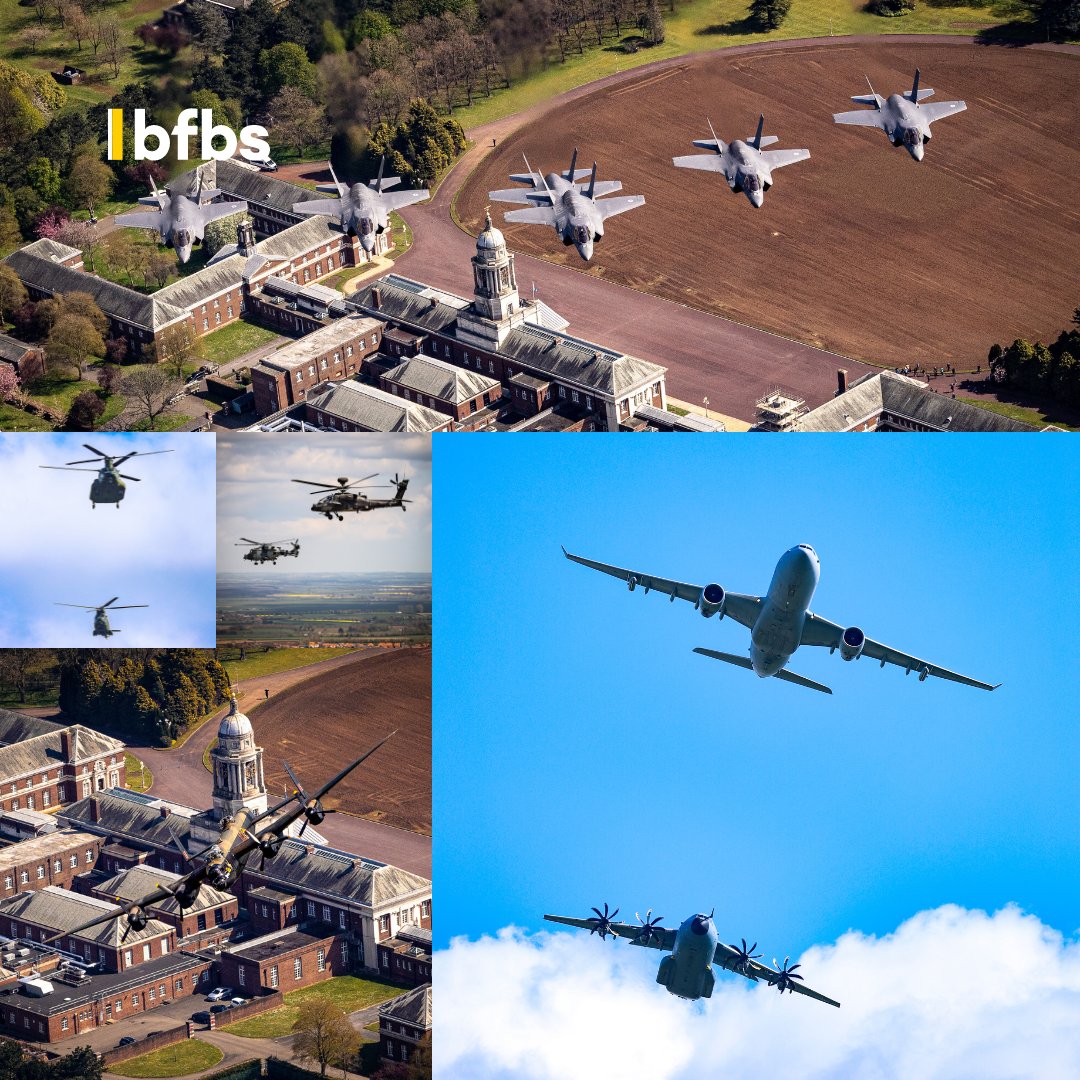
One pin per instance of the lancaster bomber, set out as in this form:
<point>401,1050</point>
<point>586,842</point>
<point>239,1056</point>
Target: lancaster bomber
<point>780,621</point>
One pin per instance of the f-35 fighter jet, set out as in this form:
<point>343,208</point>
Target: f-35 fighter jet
<point>180,219</point>
<point>565,202</point>
<point>901,116</point>
<point>746,167</point>
<point>363,209</point>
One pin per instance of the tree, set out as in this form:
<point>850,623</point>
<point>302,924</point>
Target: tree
<point>177,345</point>
<point>44,177</point>
<point>33,36</point>
<point>298,121</point>
<point>769,14</point>
<point>654,22</point>
<point>85,411</point>
<point>160,267</point>
<point>9,381</point>
<point>110,376</point>
<point>223,231</point>
<point>19,120</point>
<point>15,668</point>
<point>82,303</point>
<point>211,30</point>
<point>78,25</point>
<point>287,65</point>
<point>110,34</point>
<point>90,181</point>
<point>10,233</point>
<point>150,388</point>
<point>324,1034</point>
<point>13,293</point>
<point>72,341</point>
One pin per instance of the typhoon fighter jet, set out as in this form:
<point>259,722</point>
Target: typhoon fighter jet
<point>565,202</point>
<point>695,951</point>
<point>362,209</point>
<point>342,499</point>
<point>781,620</point>
<point>901,116</point>
<point>745,166</point>
<point>180,219</point>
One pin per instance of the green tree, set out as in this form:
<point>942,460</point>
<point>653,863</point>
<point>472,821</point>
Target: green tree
<point>769,14</point>
<point>286,65</point>
<point>150,388</point>
<point>298,121</point>
<point>44,177</point>
<point>178,345</point>
<point>324,1034</point>
<point>19,120</point>
<point>13,293</point>
<point>223,231</point>
<point>85,411</point>
<point>90,181</point>
<point>72,342</point>
<point>82,303</point>
<point>369,25</point>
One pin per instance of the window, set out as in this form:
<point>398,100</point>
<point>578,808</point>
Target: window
<point>385,960</point>
<point>146,952</point>
<point>64,1024</point>
<point>134,1001</point>
<point>45,798</point>
<point>164,947</point>
<point>341,918</point>
<point>219,916</point>
<point>297,968</point>
<point>322,364</point>
<point>273,975</point>
<point>40,872</point>
<point>311,909</point>
<point>24,877</point>
<point>311,369</point>
<point>205,322</point>
<point>230,311</point>
<point>89,856</point>
<point>299,376</point>
<point>15,802</point>
<point>73,862</point>
<point>345,951</point>
<point>384,924</point>
<point>127,958</point>
<point>178,986</point>
<point>217,318</point>
<point>349,350</point>
<point>241,974</point>
<point>57,866</point>
<point>150,994</point>
<point>201,921</point>
<point>321,959</point>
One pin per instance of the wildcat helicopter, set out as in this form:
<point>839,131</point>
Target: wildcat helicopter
<point>101,618</point>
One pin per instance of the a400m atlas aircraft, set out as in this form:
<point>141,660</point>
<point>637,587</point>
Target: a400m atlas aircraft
<point>781,620</point>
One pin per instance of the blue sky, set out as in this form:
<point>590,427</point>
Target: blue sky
<point>584,754</point>
<point>156,549</point>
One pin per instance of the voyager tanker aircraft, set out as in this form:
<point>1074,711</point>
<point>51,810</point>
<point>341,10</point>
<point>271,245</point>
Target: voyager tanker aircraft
<point>781,620</point>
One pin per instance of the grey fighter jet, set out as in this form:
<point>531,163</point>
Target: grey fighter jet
<point>362,209</point>
<point>746,167</point>
<point>180,219</point>
<point>781,620</point>
<point>695,951</point>
<point>901,116</point>
<point>565,202</point>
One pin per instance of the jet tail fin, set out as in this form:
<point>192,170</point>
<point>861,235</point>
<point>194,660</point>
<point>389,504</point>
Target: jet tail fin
<point>760,128</point>
<point>572,171</point>
<point>915,94</point>
<point>783,674</point>
<point>591,193</point>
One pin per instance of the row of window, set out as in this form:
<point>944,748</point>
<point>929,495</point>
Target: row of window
<point>58,866</point>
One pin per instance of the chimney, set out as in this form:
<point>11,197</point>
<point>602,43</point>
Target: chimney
<point>65,745</point>
<point>841,380</point>
<point>165,811</point>
<point>376,298</point>
<point>94,809</point>
<point>309,848</point>
<point>434,301</point>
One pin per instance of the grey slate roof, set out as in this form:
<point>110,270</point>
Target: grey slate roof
<point>374,409</point>
<point>256,187</point>
<point>405,305</point>
<point>13,349</point>
<point>337,874</point>
<point>16,726</point>
<point>61,910</point>
<point>411,1008</point>
<point>296,239</point>
<point>37,751</point>
<point>51,249</point>
<point>899,395</point>
<point>128,817</point>
<point>438,379</point>
<point>140,880</point>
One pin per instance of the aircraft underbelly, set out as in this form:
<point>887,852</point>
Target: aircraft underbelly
<point>773,640</point>
<point>687,978</point>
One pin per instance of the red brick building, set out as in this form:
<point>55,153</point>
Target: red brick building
<point>285,960</point>
<point>56,858</point>
<point>27,361</point>
<point>404,1023</point>
<point>406,957</point>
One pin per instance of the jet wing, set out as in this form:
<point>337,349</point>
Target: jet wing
<point>536,215</point>
<point>707,162</point>
<point>141,219</point>
<point>726,956</point>
<point>330,207</point>
<point>611,207</point>
<point>662,938</point>
<point>395,200</point>
<point>819,631</point>
<point>213,211</point>
<point>860,118</point>
<point>937,110</point>
<point>743,609</point>
<point>601,187</point>
<point>518,195</point>
<point>777,159</point>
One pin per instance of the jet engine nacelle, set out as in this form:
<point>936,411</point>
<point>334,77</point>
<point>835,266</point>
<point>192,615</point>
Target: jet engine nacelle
<point>851,643</point>
<point>712,601</point>
<point>631,582</point>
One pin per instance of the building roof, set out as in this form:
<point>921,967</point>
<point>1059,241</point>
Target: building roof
<point>52,250</point>
<point>130,816</point>
<point>13,350</point>
<point>438,379</point>
<point>339,875</point>
<point>255,186</point>
<point>411,1008</point>
<point>279,943</point>
<point>44,847</point>
<point>419,935</point>
<point>61,910</point>
<point>234,724</point>
<point>902,396</point>
<point>138,881</point>
<point>669,421</point>
<point>374,409</point>
<point>267,892</point>
<point>305,349</point>
<point>41,748</point>
<point>16,726</point>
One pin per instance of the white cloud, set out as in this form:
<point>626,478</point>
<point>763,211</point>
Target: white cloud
<point>952,994</point>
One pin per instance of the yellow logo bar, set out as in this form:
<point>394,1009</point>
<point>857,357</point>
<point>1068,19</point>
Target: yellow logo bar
<point>116,134</point>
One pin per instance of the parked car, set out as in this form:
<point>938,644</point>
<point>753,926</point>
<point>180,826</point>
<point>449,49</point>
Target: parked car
<point>220,994</point>
<point>239,1001</point>
<point>266,164</point>
<point>151,1034</point>
<point>202,1017</point>
<point>219,1008</point>
<point>127,1040</point>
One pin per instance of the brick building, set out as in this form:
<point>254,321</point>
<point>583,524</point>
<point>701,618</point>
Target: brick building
<point>286,959</point>
<point>44,764</point>
<point>442,386</point>
<point>406,957</point>
<point>55,858</point>
<point>27,361</point>
<point>404,1023</point>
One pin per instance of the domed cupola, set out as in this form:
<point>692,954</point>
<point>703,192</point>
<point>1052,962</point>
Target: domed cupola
<point>237,766</point>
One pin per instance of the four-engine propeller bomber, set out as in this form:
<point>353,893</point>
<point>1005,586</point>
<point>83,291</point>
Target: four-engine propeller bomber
<point>901,116</point>
<point>343,499</point>
<point>694,950</point>
<point>268,550</point>
<point>781,620</point>
<point>101,618</point>
<point>363,210</point>
<point>559,200</point>
<point>109,486</point>
<point>221,864</point>
<point>745,166</point>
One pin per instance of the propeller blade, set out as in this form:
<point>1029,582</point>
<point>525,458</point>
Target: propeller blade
<point>126,477</point>
<point>108,603</point>
<point>125,607</point>
<point>84,461</point>
<point>64,468</point>
<point>85,607</point>
<point>93,450</point>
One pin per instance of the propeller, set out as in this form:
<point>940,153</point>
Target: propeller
<point>341,485</point>
<point>136,920</point>
<point>603,922</point>
<point>269,847</point>
<point>785,976</point>
<point>314,811</point>
<point>743,957</point>
<point>648,929</point>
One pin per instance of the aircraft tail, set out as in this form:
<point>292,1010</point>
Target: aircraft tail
<point>570,173</point>
<point>783,674</point>
<point>760,128</point>
<point>915,94</point>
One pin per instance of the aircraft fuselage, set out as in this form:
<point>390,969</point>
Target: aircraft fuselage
<point>687,972</point>
<point>182,225</point>
<point>577,220</point>
<point>904,125</point>
<point>778,630</point>
<point>363,214</point>
<point>107,488</point>
<point>101,625</point>
<point>746,171</point>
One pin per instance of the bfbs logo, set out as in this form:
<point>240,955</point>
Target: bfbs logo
<point>252,138</point>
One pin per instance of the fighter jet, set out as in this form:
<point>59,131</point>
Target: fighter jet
<point>901,117</point>
<point>362,210</point>
<point>695,950</point>
<point>180,219</point>
<point>565,202</point>
<point>781,620</point>
<point>746,167</point>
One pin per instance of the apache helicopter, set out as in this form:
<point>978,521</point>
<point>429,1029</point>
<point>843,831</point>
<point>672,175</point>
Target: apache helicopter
<point>109,486</point>
<point>268,551</point>
<point>101,620</point>
<point>342,499</point>
<point>220,864</point>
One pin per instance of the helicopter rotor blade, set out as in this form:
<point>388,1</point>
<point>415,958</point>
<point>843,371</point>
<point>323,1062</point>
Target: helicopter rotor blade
<point>65,468</point>
<point>84,461</point>
<point>126,477</point>
<point>109,603</point>
<point>94,450</point>
<point>314,483</point>
<point>147,453</point>
<point>124,607</point>
<point>84,607</point>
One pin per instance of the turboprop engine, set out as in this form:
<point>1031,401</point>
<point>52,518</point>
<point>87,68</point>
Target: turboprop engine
<point>712,601</point>
<point>851,643</point>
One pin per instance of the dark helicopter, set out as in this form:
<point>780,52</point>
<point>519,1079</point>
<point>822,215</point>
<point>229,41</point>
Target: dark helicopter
<point>268,551</point>
<point>101,619</point>
<point>109,486</point>
<point>343,500</point>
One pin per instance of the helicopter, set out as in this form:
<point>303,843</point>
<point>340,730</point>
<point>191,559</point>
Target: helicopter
<point>342,499</point>
<point>268,551</point>
<point>109,486</point>
<point>101,619</point>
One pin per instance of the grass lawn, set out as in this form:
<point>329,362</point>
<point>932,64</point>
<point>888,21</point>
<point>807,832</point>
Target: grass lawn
<point>146,240</point>
<point>402,236</point>
<point>14,419</point>
<point>275,660</point>
<point>176,1060</point>
<point>58,394</point>
<point>232,341</point>
<point>346,991</point>
<point>1025,414</point>
<point>137,775</point>
<point>713,24</point>
<point>164,422</point>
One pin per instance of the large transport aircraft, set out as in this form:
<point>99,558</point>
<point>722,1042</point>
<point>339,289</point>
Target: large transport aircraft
<point>781,621</point>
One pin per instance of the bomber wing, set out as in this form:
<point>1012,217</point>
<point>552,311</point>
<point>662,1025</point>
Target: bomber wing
<point>819,631</point>
<point>777,159</point>
<point>743,609</point>
<point>729,958</point>
<point>938,110</point>
<point>659,937</point>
